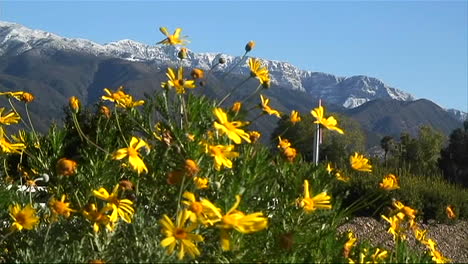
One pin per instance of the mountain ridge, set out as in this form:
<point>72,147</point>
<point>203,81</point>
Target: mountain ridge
<point>346,91</point>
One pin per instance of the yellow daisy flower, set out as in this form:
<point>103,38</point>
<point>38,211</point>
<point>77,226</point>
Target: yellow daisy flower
<point>10,118</point>
<point>389,182</point>
<point>120,207</point>
<point>20,96</point>
<point>330,122</point>
<point>200,183</point>
<point>66,167</point>
<point>201,210</point>
<point>231,129</point>
<point>267,109</point>
<point>450,210</point>
<point>222,155</point>
<point>320,201</point>
<point>8,147</point>
<point>133,156</point>
<point>294,118</point>
<point>349,244</point>
<point>177,81</point>
<point>360,163</point>
<point>23,217</point>
<point>179,235</point>
<point>259,71</point>
<point>60,207</point>
<point>99,217</point>
<point>173,39</point>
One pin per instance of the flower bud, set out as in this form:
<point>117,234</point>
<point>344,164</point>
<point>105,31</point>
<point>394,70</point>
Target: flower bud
<point>249,46</point>
<point>183,54</point>
<point>74,104</point>
<point>27,97</point>
<point>236,107</point>
<point>65,167</point>
<point>222,60</point>
<point>197,73</point>
<point>191,167</point>
<point>105,111</point>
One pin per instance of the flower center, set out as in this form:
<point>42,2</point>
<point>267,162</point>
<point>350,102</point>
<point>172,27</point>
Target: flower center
<point>196,207</point>
<point>179,83</point>
<point>20,218</point>
<point>132,152</point>
<point>230,126</point>
<point>60,207</point>
<point>180,233</point>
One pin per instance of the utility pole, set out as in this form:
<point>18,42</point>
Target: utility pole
<point>317,141</point>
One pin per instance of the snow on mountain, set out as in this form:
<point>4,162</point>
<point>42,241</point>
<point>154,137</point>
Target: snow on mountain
<point>349,92</point>
<point>457,114</point>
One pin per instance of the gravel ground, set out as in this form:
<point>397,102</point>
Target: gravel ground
<point>452,240</point>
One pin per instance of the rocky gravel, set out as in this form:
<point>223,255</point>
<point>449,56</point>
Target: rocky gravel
<point>452,239</point>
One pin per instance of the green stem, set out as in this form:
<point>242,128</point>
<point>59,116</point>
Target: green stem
<point>118,125</point>
<point>83,136</point>
<point>234,66</point>
<point>233,90</point>
<point>16,112</point>
<point>250,96</point>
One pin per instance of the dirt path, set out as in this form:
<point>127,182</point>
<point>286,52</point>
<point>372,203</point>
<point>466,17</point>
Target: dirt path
<point>452,240</point>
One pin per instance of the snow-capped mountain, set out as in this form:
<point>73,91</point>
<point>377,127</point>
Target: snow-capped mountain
<point>459,115</point>
<point>349,92</point>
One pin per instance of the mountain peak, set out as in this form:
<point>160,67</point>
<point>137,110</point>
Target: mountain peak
<point>346,91</point>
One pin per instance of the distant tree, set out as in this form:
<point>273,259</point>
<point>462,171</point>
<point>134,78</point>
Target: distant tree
<point>420,154</point>
<point>454,158</point>
<point>387,142</point>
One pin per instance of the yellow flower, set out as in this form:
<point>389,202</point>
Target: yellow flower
<point>133,155</point>
<point>339,176</point>
<point>379,255</point>
<point>27,97</point>
<point>178,81</point>
<point>179,235</point>
<point>200,183</point>
<point>173,39</point>
<point>330,122</point>
<point>60,207</point>
<point>20,96</point>
<point>74,104</point>
<point>254,136</point>
<point>8,147</point>
<point>288,152</point>
<point>250,45</point>
<point>406,210</point>
<point>419,234</point>
<point>294,118</point>
<point>202,210</point>
<point>23,217</point>
<point>197,73</point>
<point>65,167</point>
<point>236,107</point>
<point>267,109</point>
<point>222,155</point>
<point>389,182</point>
<point>437,257</point>
<point>120,207</point>
<point>191,167</point>
<point>349,244</point>
<point>120,98</point>
<point>329,168</point>
<point>237,220</point>
<point>259,71</point>
<point>231,129</point>
<point>10,118</point>
<point>359,163</point>
<point>183,53</point>
<point>450,210</point>
<point>105,111</point>
<point>396,228</point>
<point>98,217</point>
<point>114,96</point>
<point>320,201</point>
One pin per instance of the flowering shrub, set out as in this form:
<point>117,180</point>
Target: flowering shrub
<point>175,177</point>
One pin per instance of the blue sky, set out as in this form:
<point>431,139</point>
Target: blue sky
<point>419,47</point>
